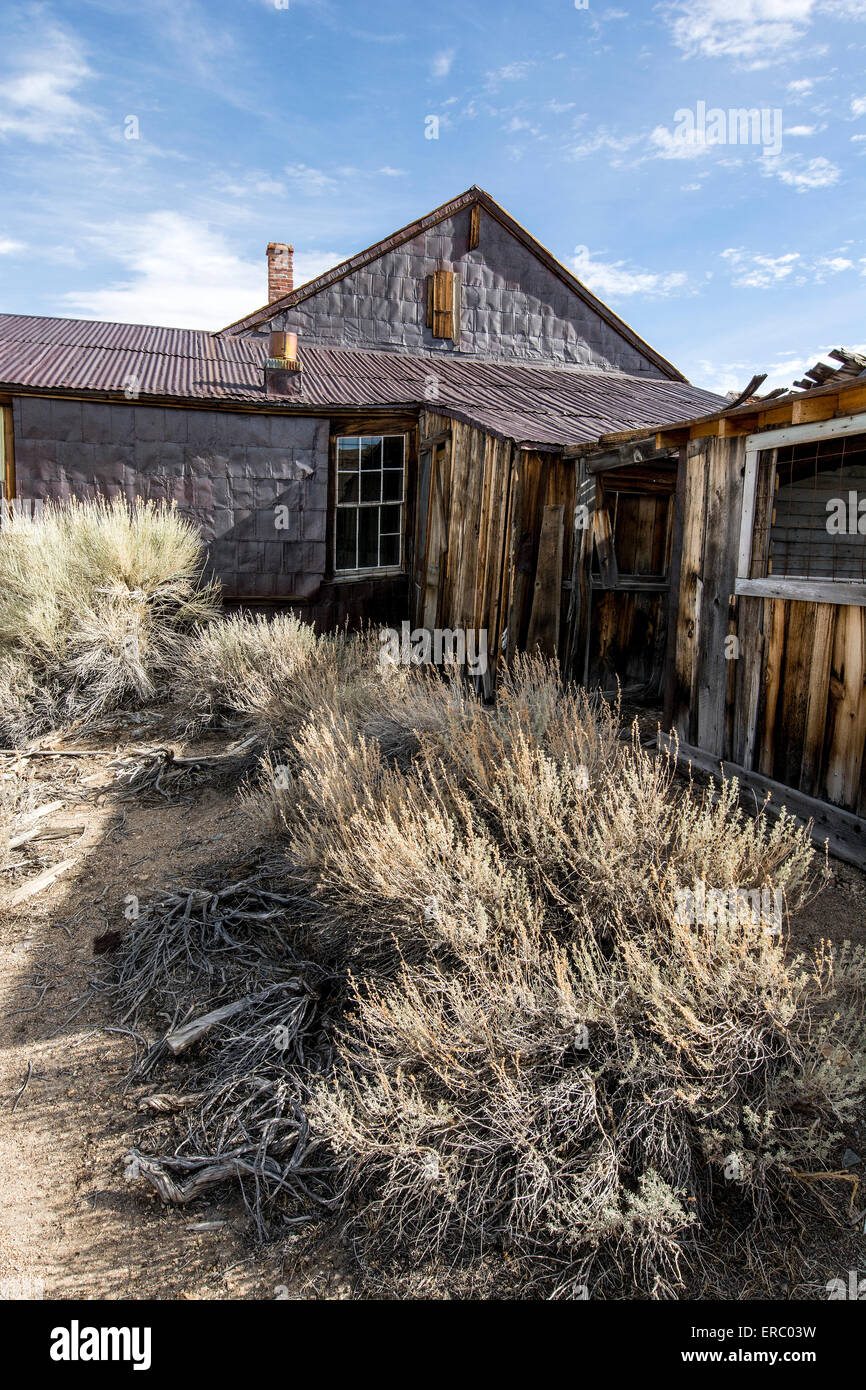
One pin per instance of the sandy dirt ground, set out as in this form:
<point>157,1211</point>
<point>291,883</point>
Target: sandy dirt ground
<point>71,1224</point>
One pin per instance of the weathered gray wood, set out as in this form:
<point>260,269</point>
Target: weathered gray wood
<point>602,533</point>
<point>627,455</point>
<point>192,1032</point>
<point>47,832</point>
<point>543,630</point>
<point>806,590</point>
<point>43,880</point>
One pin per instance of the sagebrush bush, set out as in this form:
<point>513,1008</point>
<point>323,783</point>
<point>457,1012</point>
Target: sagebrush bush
<point>539,1056</point>
<point>273,673</point>
<point>96,603</point>
<point>547,1075</point>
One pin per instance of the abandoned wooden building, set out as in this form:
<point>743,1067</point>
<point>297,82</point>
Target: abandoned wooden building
<point>377,444</point>
<point>724,575</point>
<point>450,429</point>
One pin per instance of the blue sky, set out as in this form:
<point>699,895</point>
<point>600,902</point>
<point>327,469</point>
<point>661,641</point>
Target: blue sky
<point>257,120</point>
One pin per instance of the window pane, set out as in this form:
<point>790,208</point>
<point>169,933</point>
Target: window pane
<point>371,487</point>
<point>389,519</point>
<point>390,551</point>
<point>392,485</point>
<point>347,523</point>
<point>347,452</point>
<point>347,487</point>
<point>371,451</point>
<point>368,537</point>
<point>814,530</point>
<point>393,448</point>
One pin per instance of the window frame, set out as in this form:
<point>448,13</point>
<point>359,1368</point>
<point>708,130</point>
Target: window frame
<point>367,571</point>
<point>841,591</point>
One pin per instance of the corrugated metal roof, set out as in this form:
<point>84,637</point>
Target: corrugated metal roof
<point>532,404</point>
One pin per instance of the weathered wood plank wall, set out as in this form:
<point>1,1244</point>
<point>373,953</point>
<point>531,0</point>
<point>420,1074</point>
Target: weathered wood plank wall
<point>490,504</point>
<point>787,700</point>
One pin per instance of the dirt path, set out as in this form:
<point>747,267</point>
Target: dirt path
<point>71,1225</point>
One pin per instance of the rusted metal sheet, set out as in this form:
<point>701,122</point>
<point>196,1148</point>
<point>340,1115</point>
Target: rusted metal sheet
<point>537,407</point>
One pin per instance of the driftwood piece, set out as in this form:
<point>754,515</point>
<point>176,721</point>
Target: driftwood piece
<point>48,832</point>
<point>140,768</point>
<point>175,1192</point>
<point>165,1103</point>
<point>191,1032</point>
<point>40,813</point>
<point>36,885</point>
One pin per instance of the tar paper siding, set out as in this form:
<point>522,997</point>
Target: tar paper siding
<point>512,306</point>
<point>227,471</point>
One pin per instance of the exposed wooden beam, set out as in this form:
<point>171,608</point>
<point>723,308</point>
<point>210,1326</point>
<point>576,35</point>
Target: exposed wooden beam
<point>807,409</point>
<point>627,456</point>
<point>805,590</point>
<point>672,438</point>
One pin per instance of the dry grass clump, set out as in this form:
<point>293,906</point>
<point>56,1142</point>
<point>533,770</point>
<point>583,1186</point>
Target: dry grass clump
<point>275,673</point>
<point>96,602</point>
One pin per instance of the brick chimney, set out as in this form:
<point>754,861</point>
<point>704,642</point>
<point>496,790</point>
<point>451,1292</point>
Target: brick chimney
<point>281,279</point>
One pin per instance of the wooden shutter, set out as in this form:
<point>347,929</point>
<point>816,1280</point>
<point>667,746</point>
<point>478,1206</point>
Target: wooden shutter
<point>474,226</point>
<point>443,304</point>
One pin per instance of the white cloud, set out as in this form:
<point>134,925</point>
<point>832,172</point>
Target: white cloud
<point>440,65</point>
<point>804,175</point>
<point>37,100</point>
<point>753,32</point>
<point>831,265</point>
<point>801,86</point>
<point>791,366</point>
<point>391,173</point>
<point>601,139</point>
<point>517,123</point>
<point>753,271</point>
<point>858,106</point>
<point>309,264</point>
<point>666,144</point>
<point>800,130</point>
<point>180,272</point>
<point>616,280</point>
<point>783,371</point>
<point>511,72</point>
<point>311,181</point>
<point>723,378</point>
<point>251,186</point>
<point>9,247</point>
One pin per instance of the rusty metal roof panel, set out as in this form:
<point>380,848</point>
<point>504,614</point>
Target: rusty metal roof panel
<point>550,406</point>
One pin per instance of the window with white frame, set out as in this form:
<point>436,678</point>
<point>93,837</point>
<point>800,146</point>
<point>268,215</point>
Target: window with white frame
<point>803,531</point>
<point>371,484</point>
